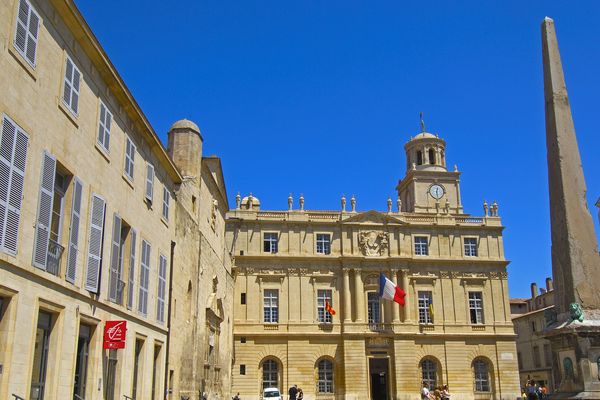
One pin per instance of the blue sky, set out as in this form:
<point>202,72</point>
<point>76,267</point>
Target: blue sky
<point>319,97</point>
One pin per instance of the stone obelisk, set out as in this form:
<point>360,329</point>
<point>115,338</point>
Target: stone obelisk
<point>574,331</point>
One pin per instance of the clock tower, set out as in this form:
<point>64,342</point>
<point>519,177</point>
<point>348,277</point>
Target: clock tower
<point>428,186</point>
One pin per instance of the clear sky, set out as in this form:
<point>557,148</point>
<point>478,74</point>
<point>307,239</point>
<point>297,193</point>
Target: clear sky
<point>319,97</point>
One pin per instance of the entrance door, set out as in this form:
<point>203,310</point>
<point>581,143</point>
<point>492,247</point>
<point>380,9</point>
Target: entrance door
<point>379,377</point>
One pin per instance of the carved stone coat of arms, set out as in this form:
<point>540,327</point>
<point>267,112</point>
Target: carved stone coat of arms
<point>373,243</point>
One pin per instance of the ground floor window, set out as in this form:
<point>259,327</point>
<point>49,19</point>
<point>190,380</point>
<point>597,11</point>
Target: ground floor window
<point>325,384</point>
<point>429,373</point>
<point>482,376</point>
<point>40,355</point>
<point>81,364</point>
<point>270,373</point>
<point>111,374</point>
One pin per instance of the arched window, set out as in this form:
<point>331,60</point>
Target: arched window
<point>270,374</point>
<point>429,371</point>
<point>482,376</point>
<point>442,158</point>
<point>325,384</point>
<point>419,157</point>
<point>431,156</point>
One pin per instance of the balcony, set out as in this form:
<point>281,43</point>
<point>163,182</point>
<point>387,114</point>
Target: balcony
<point>55,252</point>
<point>379,327</point>
<point>116,290</point>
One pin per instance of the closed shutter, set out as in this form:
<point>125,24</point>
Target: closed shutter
<point>44,217</point>
<point>162,283</point>
<point>165,209</point>
<point>144,278</point>
<point>104,127</point>
<point>26,35</point>
<point>115,267</point>
<point>129,157</point>
<point>74,231</point>
<point>94,259</point>
<point>131,283</point>
<point>13,157</point>
<point>149,182</point>
<point>71,86</point>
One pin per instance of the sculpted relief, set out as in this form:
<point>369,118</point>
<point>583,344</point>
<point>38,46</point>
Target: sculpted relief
<point>373,243</point>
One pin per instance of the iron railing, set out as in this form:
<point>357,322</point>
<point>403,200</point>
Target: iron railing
<point>55,251</point>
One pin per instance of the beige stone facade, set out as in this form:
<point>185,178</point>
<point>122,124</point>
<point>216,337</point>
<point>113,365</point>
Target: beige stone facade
<point>98,222</point>
<point>454,329</point>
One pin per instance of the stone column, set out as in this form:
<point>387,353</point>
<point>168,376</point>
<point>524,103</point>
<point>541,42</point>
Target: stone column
<point>359,296</point>
<point>408,299</point>
<point>346,295</point>
<point>395,306</point>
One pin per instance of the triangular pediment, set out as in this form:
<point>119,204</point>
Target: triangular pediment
<point>372,217</point>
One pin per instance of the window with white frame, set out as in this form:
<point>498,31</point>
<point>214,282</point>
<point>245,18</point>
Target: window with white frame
<point>270,242</point>
<point>429,373</point>
<point>325,384</point>
<point>27,31</point>
<point>424,303</point>
<point>270,374</point>
<point>71,86</point>
<point>482,376</point>
<point>129,157</point>
<point>373,308</point>
<point>470,247</point>
<point>476,307</point>
<point>270,306</point>
<point>165,205</point>
<point>323,243</point>
<point>323,298</point>
<point>421,246</point>
<point>104,123</point>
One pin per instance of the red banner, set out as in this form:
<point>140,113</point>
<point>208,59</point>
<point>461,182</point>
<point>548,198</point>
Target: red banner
<point>114,334</point>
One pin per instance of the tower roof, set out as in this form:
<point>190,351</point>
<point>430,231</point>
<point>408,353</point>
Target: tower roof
<point>185,124</point>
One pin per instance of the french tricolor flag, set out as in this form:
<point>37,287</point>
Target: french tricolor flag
<point>389,291</point>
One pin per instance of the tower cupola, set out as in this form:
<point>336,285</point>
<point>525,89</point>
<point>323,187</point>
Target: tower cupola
<point>185,147</point>
<point>426,151</point>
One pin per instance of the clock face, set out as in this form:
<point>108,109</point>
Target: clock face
<point>436,191</point>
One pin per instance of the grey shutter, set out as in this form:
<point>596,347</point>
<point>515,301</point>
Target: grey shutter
<point>68,79</point>
<point>114,259</point>
<point>144,278</point>
<point>162,283</point>
<point>74,231</point>
<point>95,244</point>
<point>13,157</point>
<point>149,182</point>
<point>131,283</point>
<point>165,210</point>
<point>26,34</point>
<point>33,28</point>
<point>44,217</point>
<point>22,20</point>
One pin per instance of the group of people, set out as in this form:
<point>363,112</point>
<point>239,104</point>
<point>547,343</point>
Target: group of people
<point>435,393</point>
<point>533,391</point>
<point>295,393</point>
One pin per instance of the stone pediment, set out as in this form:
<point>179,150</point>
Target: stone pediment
<point>372,217</point>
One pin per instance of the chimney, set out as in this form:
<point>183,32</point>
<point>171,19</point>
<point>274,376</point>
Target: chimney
<point>549,284</point>
<point>534,290</point>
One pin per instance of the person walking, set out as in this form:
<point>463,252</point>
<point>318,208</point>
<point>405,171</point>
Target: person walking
<point>300,394</point>
<point>293,392</point>
<point>532,391</point>
<point>425,394</point>
<point>445,393</point>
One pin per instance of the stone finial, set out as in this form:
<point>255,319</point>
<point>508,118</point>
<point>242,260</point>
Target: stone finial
<point>353,203</point>
<point>447,206</point>
<point>250,201</point>
<point>494,209</point>
<point>389,204</point>
<point>290,202</point>
<point>399,204</point>
<point>301,202</point>
<point>238,201</point>
<point>343,203</point>
<point>455,168</point>
<point>414,166</point>
<point>485,208</point>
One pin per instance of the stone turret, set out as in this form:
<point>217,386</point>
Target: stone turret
<point>426,151</point>
<point>185,147</point>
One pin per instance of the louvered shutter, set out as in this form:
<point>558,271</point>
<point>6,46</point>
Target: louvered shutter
<point>68,78</point>
<point>32,38</point>
<point>26,34</point>
<point>74,231</point>
<point>144,278</point>
<point>131,283</point>
<point>94,258</point>
<point>44,217</point>
<point>162,283</point>
<point>13,157</point>
<point>149,182</point>
<point>104,127</point>
<point>114,259</point>
<point>165,208</point>
<point>22,21</point>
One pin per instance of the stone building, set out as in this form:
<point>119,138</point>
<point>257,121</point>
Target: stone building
<point>99,223</point>
<point>533,349</point>
<point>291,266</point>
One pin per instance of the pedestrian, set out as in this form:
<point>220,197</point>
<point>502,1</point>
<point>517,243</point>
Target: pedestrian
<point>236,397</point>
<point>293,392</point>
<point>300,394</point>
<point>445,393</point>
<point>437,393</point>
<point>425,394</point>
<point>532,391</point>
<point>544,391</point>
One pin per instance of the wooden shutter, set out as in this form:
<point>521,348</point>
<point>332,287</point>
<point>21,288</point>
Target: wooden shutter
<point>149,182</point>
<point>144,278</point>
<point>13,157</point>
<point>26,34</point>
<point>131,283</point>
<point>104,126</point>
<point>71,89</point>
<point>68,78</point>
<point>165,210</point>
<point>94,259</point>
<point>44,216</point>
<point>74,231</point>
<point>114,259</point>
<point>162,283</point>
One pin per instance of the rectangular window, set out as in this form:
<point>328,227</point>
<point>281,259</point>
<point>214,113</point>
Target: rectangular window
<point>71,86</point>
<point>165,207</point>
<point>155,367</point>
<point>26,34</point>
<point>104,127</point>
<point>81,363</point>
<point>323,297</point>
<point>270,242</point>
<point>149,182</point>
<point>476,307</point>
<point>425,302</point>
<point>40,356</point>
<point>111,374</point>
<point>532,326</point>
<point>243,298</point>
<point>271,304</point>
<point>421,246</point>
<point>547,355</point>
<point>13,155</point>
<point>162,286</point>
<point>144,278</point>
<point>323,243</point>
<point>129,157</point>
<point>243,339</point>
<point>373,308</point>
<point>137,367</point>
<point>242,369</point>
<point>537,362</point>
<point>520,359</point>
<point>94,259</point>
<point>470,247</point>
